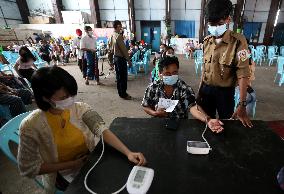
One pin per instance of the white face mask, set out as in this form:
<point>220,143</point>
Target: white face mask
<point>217,30</point>
<point>170,55</point>
<point>64,104</point>
<point>170,80</point>
<point>90,33</point>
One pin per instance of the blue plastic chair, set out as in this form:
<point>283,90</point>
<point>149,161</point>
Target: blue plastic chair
<point>250,107</point>
<point>261,54</point>
<point>6,68</point>
<point>39,62</point>
<point>282,51</point>
<point>280,70</point>
<point>10,132</point>
<point>198,60</point>
<point>254,55</point>
<point>134,69</point>
<point>145,62</point>
<point>272,50</point>
<point>251,46</point>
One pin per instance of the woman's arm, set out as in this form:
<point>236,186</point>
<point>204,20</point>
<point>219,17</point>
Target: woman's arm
<point>55,167</point>
<point>112,140</point>
<point>16,68</point>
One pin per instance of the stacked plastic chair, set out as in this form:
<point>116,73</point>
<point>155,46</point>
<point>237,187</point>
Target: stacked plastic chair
<point>261,54</point>
<point>254,54</point>
<point>134,69</point>
<point>198,60</point>
<point>145,62</point>
<point>281,51</point>
<point>39,62</point>
<point>272,50</point>
<point>11,57</point>
<point>280,70</point>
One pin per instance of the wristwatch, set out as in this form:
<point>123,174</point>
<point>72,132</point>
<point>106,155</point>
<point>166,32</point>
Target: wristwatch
<point>243,103</point>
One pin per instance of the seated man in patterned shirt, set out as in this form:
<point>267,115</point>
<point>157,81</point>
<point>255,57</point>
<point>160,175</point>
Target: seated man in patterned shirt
<point>171,87</point>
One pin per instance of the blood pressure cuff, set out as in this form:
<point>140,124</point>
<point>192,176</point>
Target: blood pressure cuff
<point>94,121</point>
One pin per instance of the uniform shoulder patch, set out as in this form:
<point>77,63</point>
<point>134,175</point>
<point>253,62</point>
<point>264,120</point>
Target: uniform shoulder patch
<point>243,55</point>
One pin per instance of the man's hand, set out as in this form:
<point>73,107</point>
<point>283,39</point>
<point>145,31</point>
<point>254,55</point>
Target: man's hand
<point>215,125</point>
<point>160,112</point>
<point>241,114</point>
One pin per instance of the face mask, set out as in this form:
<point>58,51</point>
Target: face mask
<point>161,50</point>
<point>170,80</point>
<point>90,33</point>
<point>170,55</point>
<point>64,104</point>
<point>217,30</point>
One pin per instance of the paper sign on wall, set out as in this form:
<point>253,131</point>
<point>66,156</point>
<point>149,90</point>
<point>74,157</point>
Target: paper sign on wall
<point>145,34</point>
<point>155,32</point>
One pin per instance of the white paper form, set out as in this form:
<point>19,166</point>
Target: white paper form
<point>167,104</point>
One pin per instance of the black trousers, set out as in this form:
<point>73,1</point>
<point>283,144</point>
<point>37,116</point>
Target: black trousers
<point>82,63</point>
<point>214,99</point>
<point>121,75</point>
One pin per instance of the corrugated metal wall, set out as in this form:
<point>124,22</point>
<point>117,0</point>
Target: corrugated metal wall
<point>10,14</point>
<point>256,11</point>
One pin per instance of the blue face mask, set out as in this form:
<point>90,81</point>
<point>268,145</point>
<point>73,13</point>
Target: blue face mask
<point>170,80</point>
<point>217,30</point>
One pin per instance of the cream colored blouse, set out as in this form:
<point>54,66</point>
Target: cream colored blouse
<point>37,145</point>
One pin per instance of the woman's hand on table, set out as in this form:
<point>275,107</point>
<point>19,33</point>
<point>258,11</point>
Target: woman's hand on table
<point>137,158</point>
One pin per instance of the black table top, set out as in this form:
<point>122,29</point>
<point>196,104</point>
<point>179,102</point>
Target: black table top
<point>242,160</point>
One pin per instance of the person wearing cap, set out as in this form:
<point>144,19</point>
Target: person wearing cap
<point>88,44</point>
<point>76,45</point>
<point>226,64</point>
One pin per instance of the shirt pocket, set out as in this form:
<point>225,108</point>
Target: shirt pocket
<point>226,65</point>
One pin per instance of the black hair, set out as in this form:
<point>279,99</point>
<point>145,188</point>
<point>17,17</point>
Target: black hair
<point>166,61</point>
<point>26,54</point>
<point>163,45</point>
<point>217,10</point>
<point>47,80</point>
<point>86,28</point>
<point>169,48</point>
<point>116,23</point>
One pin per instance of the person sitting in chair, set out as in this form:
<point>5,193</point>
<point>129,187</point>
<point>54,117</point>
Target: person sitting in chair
<point>170,86</point>
<point>58,136</point>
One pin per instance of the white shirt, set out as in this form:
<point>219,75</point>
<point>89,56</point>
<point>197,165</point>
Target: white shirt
<point>27,65</point>
<point>88,42</point>
<point>76,45</point>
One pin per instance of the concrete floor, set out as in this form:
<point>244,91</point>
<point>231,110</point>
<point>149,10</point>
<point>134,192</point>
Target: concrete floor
<point>104,99</point>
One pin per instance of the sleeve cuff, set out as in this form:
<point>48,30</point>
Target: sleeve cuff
<point>243,72</point>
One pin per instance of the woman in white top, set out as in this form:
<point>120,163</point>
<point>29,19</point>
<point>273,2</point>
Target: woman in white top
<point>25,66</point>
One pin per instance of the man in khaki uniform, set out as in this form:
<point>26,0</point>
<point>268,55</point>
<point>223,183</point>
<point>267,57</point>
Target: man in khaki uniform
<point>226,64</point>
<point>120,59</point>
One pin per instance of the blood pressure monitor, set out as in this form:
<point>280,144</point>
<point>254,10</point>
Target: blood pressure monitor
<point>139,180</point>
<point>198,147</point>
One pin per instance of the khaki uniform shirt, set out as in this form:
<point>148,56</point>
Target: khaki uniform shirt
<point>225,62</point>
<point>118,47</point>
